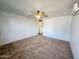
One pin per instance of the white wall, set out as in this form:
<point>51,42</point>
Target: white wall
<point>14,27</point>
<point>74,42</point>
<point>57,27</point>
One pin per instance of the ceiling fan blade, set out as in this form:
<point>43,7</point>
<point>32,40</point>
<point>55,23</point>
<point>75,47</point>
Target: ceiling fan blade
<point>45,15</point>
<point>30,16</point>
<point>33,12</point>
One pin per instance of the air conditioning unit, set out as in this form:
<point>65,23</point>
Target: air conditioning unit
<point>75,9</point>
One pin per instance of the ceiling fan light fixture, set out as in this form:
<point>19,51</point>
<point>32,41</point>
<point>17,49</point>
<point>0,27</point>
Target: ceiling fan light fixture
<point>37,16</point>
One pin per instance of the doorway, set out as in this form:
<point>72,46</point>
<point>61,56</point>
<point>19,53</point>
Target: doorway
<point>40,27</point>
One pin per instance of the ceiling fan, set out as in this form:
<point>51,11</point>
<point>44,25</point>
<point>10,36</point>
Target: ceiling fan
<point>39,14</point>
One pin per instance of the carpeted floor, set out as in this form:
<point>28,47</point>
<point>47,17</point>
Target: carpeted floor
<point>37,47</point>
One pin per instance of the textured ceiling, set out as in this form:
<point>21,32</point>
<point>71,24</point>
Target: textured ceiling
<point>25,7</point>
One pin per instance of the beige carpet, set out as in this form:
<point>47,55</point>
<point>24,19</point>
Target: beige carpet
<point>37,47</point>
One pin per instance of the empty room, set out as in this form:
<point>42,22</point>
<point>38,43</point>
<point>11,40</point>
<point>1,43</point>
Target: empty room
<point>39,29</point>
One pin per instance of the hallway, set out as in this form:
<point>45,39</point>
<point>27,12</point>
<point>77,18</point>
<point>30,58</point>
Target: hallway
<point>37,47</point>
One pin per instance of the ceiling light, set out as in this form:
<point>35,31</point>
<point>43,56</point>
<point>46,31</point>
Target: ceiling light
<point>38,16</point>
